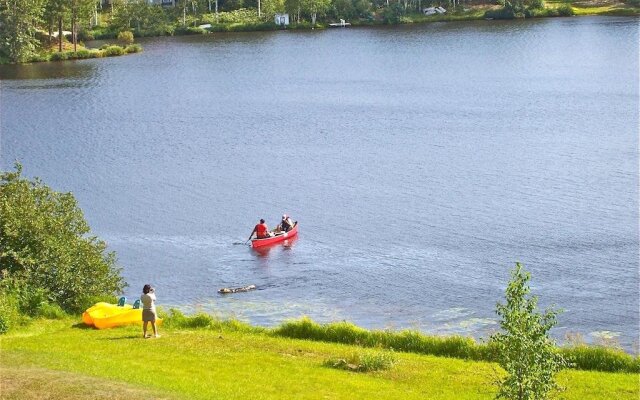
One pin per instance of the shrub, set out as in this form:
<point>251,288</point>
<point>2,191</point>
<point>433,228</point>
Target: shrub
<point>82,54</point>
<point>47,248</point>
<point>85,35</point>
<point>133,48</point>
<point>565,10</point>
<point>103,33</point>
<point>525,351</point>
<point>125,37</point>
<point>391,14</point>
<point>4,324</point>
<point>9,313</point>
<point>40,57</point>
<point>363,361</point>
<point>113,50</point>
<point>59,56</point>
<point>51,311</point>
<point>536,4</point>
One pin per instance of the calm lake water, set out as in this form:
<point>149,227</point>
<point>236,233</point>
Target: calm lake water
<point>421,161</point>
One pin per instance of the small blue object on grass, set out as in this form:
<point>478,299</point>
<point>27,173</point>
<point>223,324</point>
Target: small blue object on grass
<point>136,304</point>
<point>121,301</point>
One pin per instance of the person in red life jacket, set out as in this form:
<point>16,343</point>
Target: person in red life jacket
<point>261,230</point>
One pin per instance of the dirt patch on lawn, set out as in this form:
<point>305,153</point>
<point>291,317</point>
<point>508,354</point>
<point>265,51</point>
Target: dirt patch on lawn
<point>42,384</point>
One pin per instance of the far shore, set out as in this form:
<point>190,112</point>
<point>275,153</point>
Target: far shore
<point>552,8</point>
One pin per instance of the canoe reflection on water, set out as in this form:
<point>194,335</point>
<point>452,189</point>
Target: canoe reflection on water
<point>285,245</point>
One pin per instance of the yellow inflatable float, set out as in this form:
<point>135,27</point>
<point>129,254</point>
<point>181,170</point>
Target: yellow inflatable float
<point>106,315</point>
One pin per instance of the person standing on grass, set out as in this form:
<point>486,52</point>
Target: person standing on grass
<point>148,300</point>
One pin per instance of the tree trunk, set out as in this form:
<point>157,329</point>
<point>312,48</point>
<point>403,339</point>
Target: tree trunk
<point>259,12</point>
<point>74,33</point>
<point>60,33</point>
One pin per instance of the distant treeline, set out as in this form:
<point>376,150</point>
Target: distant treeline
<point>30,28</point>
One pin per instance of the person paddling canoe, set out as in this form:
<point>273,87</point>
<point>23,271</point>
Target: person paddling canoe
<point>287,224</point>
<point>261,230</point>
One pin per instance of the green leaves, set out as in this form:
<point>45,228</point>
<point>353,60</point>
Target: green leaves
<point>17,27</point>
<point>524,348</point>
<point>44,242</point>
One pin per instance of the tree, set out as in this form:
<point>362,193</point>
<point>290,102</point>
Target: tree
<point>343,9</point>
<point>18,19</point>
<point>81,11</point>
<point>45,243</point>
<point>54,14</point>
<point>315,8</point>
<point>525,351</point>
<point>272,7</point>
<point>294,7</point>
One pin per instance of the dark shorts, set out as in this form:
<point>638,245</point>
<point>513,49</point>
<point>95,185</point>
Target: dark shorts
<point>148,316</point>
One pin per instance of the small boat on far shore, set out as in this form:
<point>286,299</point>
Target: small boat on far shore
<point>277,238</point>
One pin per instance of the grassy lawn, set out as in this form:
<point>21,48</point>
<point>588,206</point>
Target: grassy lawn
<point>63,360</point>
<point>596,7</point>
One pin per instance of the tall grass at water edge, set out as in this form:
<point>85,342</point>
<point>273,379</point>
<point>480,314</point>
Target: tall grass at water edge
<point>581,356</point>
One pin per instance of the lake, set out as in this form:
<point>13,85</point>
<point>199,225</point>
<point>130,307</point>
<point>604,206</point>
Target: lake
<point>421,161</point>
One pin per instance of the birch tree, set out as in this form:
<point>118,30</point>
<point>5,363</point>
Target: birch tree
<point>315,8</point>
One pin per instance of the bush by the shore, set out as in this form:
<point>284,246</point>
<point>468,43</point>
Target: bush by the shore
<point>108,50</point>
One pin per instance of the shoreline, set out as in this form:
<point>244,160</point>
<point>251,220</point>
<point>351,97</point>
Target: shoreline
<point>477,13</point>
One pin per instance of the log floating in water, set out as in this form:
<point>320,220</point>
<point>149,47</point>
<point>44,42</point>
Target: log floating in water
<point>236,290</point>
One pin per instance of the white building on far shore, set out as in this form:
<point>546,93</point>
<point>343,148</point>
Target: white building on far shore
<point>281,19</point>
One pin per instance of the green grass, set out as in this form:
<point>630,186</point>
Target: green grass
<point>221,361</point>
<point>585,8</point>
<point>581,356</point>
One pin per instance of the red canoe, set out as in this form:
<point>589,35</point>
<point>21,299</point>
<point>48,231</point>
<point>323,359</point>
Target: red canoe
<point>279,237</point>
